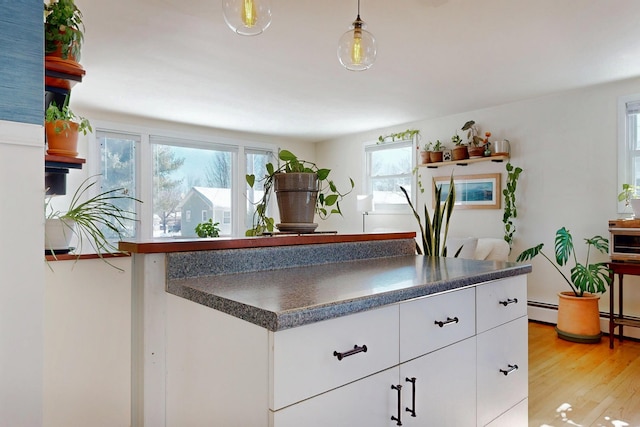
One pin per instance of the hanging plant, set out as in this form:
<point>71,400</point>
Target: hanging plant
<point>400,136</point>
<point>510,208</point>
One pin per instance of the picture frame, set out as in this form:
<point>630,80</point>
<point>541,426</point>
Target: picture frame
<point>481,191</point>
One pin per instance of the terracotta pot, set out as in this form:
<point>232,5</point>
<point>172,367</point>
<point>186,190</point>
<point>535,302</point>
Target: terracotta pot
<point>64,142</point>
<point>297,195</point>
<point>459,152</point>
<point>435,156</point>
<point>578,318</point>
<point>476,152</point>
<point>424,157</point>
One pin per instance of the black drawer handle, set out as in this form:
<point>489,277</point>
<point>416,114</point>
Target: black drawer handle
<point>355,350</point>
<point>412,380</point>
<point>508,301</point>
<point>398,419</point>
<point>511,368</point>
<point>449,321</point>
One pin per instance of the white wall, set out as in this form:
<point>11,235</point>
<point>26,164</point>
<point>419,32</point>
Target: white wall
<point>87,343</point>
<point>566,144</point>
<point>22,273</point>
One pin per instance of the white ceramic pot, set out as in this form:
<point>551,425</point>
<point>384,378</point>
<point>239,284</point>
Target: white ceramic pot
<point>58,234</point>
<point>635,205</point>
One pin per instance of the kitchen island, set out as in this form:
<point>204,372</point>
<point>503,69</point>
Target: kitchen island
<point>324,330</point>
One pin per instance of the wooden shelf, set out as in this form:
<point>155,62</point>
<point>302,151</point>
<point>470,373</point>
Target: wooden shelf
<point>56,169</point>
<point>465,162</point>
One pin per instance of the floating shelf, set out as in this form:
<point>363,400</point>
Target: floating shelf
<point>56,169</point>
<point>498,159</point>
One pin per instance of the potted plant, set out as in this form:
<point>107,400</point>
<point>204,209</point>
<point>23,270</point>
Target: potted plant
<point>62,127</point>
<point>435,155</point>
<point>474,141</point>
<point>460,150</point>
<point>578,313</point>
<point>95,221</point>
<point>208,229</point>
<point>434,236</point>
<point>63,30</point>
<point>302,190</point>
<point>424,153</point>
<point>629,196</point>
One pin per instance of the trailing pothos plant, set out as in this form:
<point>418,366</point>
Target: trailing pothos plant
<point>433,237</point>
<point>586,277</point>
<point>510,208</point>
<point>400,136</point>
<point>327,202</point>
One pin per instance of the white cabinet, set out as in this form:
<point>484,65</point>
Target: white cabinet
<point>457,345</point>
<point>445,387</point>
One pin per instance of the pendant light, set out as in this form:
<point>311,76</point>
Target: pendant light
<point>247,17</point>
<point>357,47</point>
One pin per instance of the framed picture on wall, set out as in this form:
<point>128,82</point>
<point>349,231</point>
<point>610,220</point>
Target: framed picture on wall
<point>480,191</point>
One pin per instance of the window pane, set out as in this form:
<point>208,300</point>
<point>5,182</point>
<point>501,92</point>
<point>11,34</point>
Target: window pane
<point>392,161</point>
<point>388,168</point>
<point>190,179</point>
<point>117,159</point>
<point>255,165</point>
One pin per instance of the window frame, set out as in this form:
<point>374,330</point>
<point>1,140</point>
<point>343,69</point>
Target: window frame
<point>388,209</point>
<point>625,157</point>
<point>144,165</point>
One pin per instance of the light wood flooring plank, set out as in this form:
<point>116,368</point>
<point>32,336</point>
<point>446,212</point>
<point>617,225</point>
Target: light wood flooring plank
<point>586,385</point>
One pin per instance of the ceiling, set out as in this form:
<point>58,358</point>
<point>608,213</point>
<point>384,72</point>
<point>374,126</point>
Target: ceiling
<point>176,60</point>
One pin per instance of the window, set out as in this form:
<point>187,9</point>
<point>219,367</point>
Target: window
<point>175,177</point>
<point>389,166</point>
<point>628,143</point>
<point>117,169</point>
<point>255,164</point>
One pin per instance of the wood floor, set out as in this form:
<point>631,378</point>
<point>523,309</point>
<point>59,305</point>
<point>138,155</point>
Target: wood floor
<point>582,384</point>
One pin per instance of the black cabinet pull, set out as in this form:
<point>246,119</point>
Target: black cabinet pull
<point>449,321</point>
<point>355,350</point>
<point>510,369</point>
<point>398,419</point>
<point>412,380</point>
<point>508,301</point>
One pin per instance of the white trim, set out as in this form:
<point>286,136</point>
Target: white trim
<point>22,134</point>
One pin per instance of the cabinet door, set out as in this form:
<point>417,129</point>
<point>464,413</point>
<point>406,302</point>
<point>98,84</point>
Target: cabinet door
<point>445,387</point>
<point>368,402</point>
<point>503,369</point>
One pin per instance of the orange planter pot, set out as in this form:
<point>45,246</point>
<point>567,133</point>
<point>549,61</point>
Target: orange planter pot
<point>578,318</point>
<point>65,142</point>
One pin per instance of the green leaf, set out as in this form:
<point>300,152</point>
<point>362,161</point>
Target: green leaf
<point>251,179</point>
<point>323,174</point>
<point>530,253</point>
<point>287,156</point>
<point>563,246</point>
<point>270,169</point>
<point>331,200</point>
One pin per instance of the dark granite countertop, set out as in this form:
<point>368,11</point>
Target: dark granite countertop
<point>290,297</point>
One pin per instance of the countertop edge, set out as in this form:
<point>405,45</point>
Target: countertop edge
<point>277,321</point>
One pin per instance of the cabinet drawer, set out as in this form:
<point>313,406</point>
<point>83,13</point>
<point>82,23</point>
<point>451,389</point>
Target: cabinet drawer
<point>420,331</point>
<point>303,363</point>
<point>501,349</point>
<point>518,416</point>
<point>500,302</point>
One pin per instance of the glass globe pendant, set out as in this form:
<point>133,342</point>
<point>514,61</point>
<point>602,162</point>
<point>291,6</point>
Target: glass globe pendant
<point>357,47</point>
<point>247,17</point>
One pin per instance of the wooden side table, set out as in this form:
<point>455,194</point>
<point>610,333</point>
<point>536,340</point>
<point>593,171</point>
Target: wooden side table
<point>620,268</point>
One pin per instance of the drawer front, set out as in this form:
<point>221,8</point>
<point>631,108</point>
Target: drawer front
<point>500,350</point>
<point>501,301</point>
<point>312,359</point>
<point>430,323</point>
<point>518,416</point>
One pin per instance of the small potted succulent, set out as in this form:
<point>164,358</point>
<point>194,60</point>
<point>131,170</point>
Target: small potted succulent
<point>302,190</point>
<point>460,150</point>
<point>435,155</point>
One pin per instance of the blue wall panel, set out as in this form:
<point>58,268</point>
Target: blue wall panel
<point>22,61</point>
